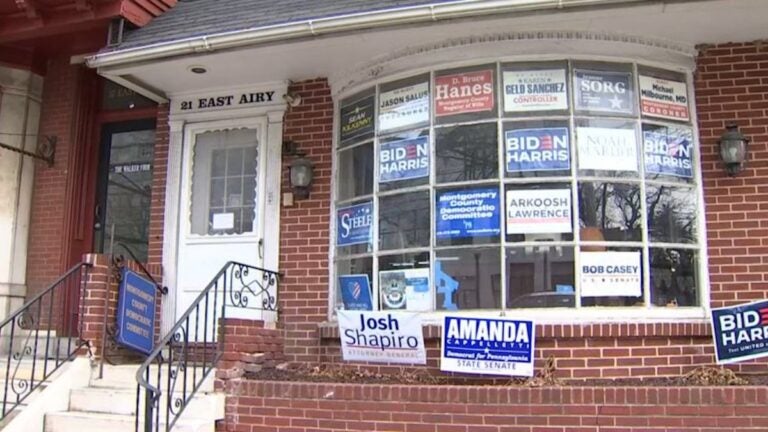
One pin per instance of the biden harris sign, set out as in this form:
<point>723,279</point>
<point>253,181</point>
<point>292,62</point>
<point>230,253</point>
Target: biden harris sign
<point>543,149</point>
<point>740,332</point>
<point>492,346</point>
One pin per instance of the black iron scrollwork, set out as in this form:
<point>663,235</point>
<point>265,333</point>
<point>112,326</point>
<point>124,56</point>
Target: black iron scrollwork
<point>185,356</point>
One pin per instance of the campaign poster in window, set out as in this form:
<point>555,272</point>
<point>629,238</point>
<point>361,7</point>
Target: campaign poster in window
<point>608,274</point>
<point>403,160</point>
<point>354,224</point>
<point>538,211</point>
<point>403,107</point>
<point>355,292</point>
<point>468,213</point>
<point>603,91</point>
<point>664,98</point>
<point>405,289</point>
<point>542,149</point>
<point>356,120</point>
<point>668,150</point>
<point>535,90</point>
<point>384,337</point>
<point>488,346</point>
<point>462,93</point>
<point>740,332</point>
<point>606,149</point>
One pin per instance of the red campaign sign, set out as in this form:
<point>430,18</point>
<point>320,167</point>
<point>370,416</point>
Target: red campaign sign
<point>464,93</point>
<point>661,109</point>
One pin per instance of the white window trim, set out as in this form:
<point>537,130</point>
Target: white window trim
<point>681,62</point>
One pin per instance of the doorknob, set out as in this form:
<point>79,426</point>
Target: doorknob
<point>261,248</point>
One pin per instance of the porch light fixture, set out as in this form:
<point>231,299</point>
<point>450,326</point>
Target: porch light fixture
<point>733,149</point>
<point>302,173</point>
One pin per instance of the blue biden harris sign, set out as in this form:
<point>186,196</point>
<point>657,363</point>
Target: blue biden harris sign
<point>136,312</point>
<point>740,332</point>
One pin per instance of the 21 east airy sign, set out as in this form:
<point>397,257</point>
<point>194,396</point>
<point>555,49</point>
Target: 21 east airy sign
<point>228,100</point>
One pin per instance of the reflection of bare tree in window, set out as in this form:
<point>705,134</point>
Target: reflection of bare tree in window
<point>467,153</point>
<point>671,214</point>
<point>614,208</point>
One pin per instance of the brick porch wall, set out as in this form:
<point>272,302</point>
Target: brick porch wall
<point>256,406</point>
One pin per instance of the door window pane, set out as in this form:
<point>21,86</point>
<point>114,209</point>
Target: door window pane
<point>224,182</point>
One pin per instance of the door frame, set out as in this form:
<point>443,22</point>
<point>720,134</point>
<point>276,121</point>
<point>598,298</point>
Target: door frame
<point>181,124</point>
<point>102,170</point>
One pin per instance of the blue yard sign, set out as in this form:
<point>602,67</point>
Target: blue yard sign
<point>136,312</point>
<point>740,332</point>
<point>468,213</point>
<point>488,346</point>
<point>355,292</point>
<point>543,149</point>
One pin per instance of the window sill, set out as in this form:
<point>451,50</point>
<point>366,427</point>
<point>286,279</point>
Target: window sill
<point>692,323</point>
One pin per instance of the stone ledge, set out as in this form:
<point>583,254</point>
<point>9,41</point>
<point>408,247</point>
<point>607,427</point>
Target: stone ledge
<point>330,330</point>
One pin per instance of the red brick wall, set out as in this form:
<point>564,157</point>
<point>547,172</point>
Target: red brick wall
<point>732,87</point>
<point>159,174</point>
<point>302,407</point>
<point>304,227</point>
<point>46,250</point>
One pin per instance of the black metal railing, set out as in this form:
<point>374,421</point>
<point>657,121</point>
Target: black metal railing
<point>41,335</point>
<point>182,360</point>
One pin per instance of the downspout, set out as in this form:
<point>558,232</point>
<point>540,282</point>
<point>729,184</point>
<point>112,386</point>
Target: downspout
<point>322,26</point>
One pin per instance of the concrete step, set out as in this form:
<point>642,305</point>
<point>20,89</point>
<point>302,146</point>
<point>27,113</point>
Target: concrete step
<point>99,422</point>
<point>123,401</point>
<point>124,376</point>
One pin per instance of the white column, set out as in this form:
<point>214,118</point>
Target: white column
<point>20,95</point>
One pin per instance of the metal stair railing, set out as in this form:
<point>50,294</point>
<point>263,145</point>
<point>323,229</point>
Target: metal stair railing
<point>175,370</point>
<point>46,331</point>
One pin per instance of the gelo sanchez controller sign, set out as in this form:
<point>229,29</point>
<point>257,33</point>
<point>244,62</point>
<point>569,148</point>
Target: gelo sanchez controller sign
<point>740,332</point>
<point>493,346</point>
<point>388,337</point>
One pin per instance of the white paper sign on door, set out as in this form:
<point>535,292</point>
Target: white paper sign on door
<point>607,149</point>
<point>608,274</point>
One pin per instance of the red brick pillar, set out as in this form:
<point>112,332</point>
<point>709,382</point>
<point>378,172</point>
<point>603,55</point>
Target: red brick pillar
<point>248,347</point>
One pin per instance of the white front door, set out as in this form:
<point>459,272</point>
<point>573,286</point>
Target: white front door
<point>221,215</point>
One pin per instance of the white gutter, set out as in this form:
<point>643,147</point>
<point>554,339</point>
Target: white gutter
<point>324,26</point>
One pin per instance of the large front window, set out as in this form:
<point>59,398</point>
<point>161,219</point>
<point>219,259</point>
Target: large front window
<point>562,184</point>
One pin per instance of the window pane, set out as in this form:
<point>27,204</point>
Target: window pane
<point>673,277</point>
<point>607,148</point>
<point>604,88</point>
<point>465,94</point>
<point>535,88</point>
<point>467,216</point>
<point>355,174</point>
<point>404,160</point>
<point>538,212</point>
<point>219,201</point>
<point>356,119</point>
<point>668,153</point>
<point>537,149</point>
<point>611,276</point>
<point>404,104</point>
<point>404,282</point>
<point>671,214</point>
<point>468,279</point>
<point>349,267</point>
<point>466,153</point>
<point>404,221</point>
<point>610,212</point>
<point>540,277</point>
